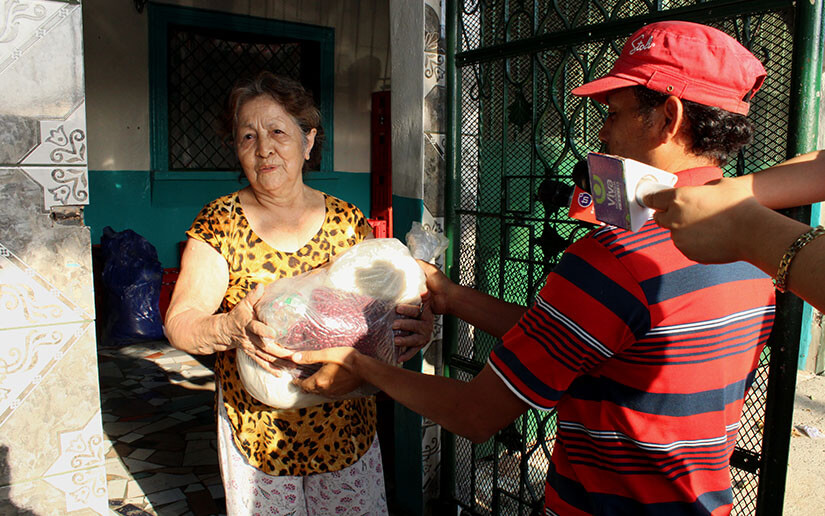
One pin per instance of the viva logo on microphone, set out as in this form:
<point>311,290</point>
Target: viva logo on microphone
<point>614,181</point>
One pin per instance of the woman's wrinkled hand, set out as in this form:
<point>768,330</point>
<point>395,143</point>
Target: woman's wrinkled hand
<point>414,330</point>
<point>245,332</point>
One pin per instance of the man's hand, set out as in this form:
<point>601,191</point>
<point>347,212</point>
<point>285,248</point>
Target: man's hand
<point>438,286</point>
<point>417,325</point>
<point>336,377</point>
<point>331,381</point>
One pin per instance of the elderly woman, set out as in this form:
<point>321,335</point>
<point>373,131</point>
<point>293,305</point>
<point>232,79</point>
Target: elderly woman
<point>323,459</point>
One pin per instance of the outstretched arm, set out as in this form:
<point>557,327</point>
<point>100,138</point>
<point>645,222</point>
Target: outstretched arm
<point>483,311</point>
<point>718,223</point>
<point>795,182</point>
<point>475,409</point>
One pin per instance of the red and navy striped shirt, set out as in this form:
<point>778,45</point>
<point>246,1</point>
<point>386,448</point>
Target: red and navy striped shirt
<point>647,357</point>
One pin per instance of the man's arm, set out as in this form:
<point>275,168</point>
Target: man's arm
<point>483,311</point>
<point>475,410</point>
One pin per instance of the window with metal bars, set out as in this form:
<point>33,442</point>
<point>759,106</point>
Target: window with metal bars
<point>195,58</point>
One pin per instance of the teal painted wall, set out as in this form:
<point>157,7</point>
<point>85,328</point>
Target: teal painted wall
<point>161,210</point>
<point>408,432</point>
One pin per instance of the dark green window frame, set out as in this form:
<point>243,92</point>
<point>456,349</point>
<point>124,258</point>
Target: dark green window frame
<point>161,17</point>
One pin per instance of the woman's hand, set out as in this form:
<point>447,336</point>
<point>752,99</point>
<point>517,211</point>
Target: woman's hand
<point>415,327</point>
<point>245,332</point>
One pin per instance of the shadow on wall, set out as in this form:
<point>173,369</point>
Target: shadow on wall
<point>363,74</point>
<point>6,505</point>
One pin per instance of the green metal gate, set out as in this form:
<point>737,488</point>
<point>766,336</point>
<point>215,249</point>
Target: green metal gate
<point>515,135</point>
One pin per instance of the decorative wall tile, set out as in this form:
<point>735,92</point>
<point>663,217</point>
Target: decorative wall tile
<point>40,498</point>
<point>81,449</point>
<point>64,186</point>
<point>41,58</point>
<point>28,299</point>
<point>33,498</point>
<point>434,104</point>
<point>83,489</point>
<point>60,254</point>
<point>27,356</point>
<point>63,400</point>
<point>61,142</point>
<point>51,454</point>
<point>434,48</point>
<point>431,456</point>
<point>22,23</point>
<point>434,170</point>
<point>18,136</point>
<point>432,363</point>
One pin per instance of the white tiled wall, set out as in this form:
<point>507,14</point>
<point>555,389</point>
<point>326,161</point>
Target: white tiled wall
<point>418,111</point>
<point>51,453</point>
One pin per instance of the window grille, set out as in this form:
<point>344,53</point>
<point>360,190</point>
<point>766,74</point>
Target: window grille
<point>196,56</point>
<point>201,69</point>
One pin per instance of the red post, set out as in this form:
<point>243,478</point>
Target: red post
<point>381,163</point>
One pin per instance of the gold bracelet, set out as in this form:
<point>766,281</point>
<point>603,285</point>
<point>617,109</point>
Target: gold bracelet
<point>781,280</point>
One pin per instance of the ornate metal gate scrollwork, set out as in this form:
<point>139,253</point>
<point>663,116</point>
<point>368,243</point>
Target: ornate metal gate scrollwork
<point>517,135</point>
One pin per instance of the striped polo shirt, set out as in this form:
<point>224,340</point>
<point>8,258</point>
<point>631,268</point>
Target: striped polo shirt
<point>646,356</point>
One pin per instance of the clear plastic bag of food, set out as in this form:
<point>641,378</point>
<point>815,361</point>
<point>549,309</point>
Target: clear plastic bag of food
<point>348,302</point>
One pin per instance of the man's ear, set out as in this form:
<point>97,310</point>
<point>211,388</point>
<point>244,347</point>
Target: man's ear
<point>673,118</point>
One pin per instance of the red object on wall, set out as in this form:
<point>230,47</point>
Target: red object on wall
<point>167,285</point>
<point>167,282</point>
<point>379,227</point>
<point>381,164</point>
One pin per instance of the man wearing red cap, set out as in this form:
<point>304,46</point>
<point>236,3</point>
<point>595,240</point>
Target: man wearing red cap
<point>645,355</point>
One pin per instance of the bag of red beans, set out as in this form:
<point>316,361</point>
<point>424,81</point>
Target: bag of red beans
<point>350,301</point>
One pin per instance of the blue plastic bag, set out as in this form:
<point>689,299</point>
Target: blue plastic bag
<point>132,277</point>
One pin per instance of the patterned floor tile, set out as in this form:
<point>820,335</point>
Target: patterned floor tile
<point>158,416</point>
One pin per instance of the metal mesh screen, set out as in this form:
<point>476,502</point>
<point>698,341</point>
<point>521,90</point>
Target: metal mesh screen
<point>520,131</point>
<point>202,67</point>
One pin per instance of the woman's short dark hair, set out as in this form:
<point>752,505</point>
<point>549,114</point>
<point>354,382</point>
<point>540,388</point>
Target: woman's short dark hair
<point>290,94</point>
<point>715,133</point>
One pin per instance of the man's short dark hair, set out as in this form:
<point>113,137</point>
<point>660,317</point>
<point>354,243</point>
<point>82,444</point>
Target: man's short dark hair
<point>715,133</point>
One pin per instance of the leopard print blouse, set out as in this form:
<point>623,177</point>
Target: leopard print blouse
<point>295,442</point>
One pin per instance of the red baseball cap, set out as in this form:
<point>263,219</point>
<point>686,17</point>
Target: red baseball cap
<point>687,60</point>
